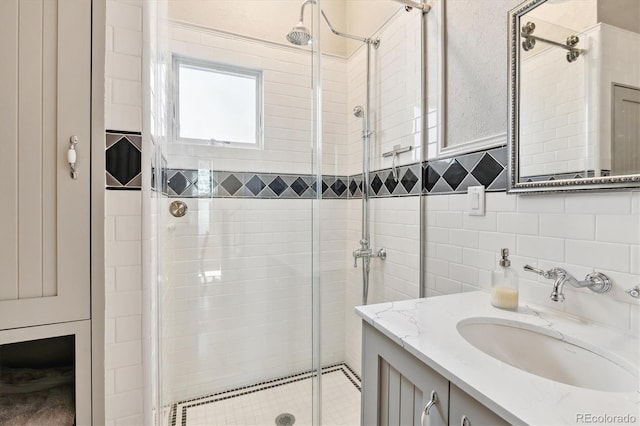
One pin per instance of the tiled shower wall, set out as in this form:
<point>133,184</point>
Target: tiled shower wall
<point>396,99</point>
<point>244,308</point>
<point>287,105</point>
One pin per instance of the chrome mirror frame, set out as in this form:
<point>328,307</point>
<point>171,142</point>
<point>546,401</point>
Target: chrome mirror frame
<point>513,184</point>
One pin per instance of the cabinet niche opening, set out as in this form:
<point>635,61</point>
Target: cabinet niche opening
<point>37,381</point>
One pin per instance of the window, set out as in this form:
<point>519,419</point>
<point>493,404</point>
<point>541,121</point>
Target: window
<point>217,104</point>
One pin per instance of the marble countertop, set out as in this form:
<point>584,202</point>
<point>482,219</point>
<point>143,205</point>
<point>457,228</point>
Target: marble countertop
<point>427,329</point>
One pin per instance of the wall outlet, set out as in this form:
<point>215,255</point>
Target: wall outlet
<point>476,200</point>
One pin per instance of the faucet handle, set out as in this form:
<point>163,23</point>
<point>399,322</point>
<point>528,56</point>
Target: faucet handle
<point>545,274</point>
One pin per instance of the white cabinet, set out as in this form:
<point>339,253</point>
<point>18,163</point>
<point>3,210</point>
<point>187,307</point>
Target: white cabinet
<point>396,388</point>
<point>45,83</point>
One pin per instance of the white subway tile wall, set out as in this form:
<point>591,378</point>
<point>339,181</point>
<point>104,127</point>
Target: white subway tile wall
<point>240,289</point>
<point>395,221</point>
<point>123,308</point>
<point>287,105</point>
<point>396,94</point>
<point>123,78</point>
<point>571,236</point>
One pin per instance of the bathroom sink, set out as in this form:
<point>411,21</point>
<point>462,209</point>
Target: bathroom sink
<point>546,353</point>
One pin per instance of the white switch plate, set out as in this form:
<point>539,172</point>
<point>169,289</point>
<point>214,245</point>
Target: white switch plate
<point>475,195</point>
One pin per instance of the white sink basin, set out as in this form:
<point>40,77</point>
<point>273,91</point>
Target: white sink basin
<point>548,354</point>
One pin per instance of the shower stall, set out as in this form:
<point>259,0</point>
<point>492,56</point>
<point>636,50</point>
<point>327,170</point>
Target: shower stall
<point>268,169</point>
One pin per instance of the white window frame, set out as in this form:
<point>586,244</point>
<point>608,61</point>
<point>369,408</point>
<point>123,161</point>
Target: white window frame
<point>217,67</point>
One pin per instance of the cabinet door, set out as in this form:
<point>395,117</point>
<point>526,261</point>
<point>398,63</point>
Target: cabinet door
<point>45,78</point>
<point>396,386</point>
<point>466,411</point>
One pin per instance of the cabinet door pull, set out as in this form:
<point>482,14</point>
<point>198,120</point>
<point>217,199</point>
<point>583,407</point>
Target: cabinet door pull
<point>464,421</point>
<point>431,403</point>
<point>424,418</point>
<point>72,156</point>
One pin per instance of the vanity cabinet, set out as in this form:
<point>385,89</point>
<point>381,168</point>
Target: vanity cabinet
<point>465,410</point>
<point>396,388</point>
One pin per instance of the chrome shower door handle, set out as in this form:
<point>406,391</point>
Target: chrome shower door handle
<point>72,156</point>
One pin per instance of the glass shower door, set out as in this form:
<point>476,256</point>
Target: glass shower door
<point>238,223</point>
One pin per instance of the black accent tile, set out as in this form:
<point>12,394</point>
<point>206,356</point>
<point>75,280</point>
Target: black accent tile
<point>231,184</point>
<point>409,180</point>
<point>376,184</point>
<point>324,186</point>
<point>255,185</point>
<point>487,170</point>
<point>429,178</point>
<point>500,155</point>
<point>299,186</point>
<point>455,174</point>
<point>338,187</point>
<point>123,161</point>
<point>353,187</point>
<point>178,183</point>
<point>278,185</point>
<point>390,183</point>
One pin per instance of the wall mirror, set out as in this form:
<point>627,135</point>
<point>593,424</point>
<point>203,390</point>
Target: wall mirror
<point>574,95</point>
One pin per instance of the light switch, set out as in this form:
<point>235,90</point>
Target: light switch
<point>476,200</point>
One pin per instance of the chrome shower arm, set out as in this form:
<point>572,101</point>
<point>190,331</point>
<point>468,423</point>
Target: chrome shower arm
<point>375,42</point>
<point>303,6</point>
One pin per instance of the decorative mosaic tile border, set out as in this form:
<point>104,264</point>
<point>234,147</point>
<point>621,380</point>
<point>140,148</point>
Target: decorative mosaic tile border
<point>457,174</point>
<point>383,183</point>
<point>204,183</point>
<point>123,155</point>
<point>443,176</point>
<point>182,406</point>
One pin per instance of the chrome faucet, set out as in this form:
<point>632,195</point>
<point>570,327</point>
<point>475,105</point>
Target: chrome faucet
<point>366,253</point>
<point>595,281</point>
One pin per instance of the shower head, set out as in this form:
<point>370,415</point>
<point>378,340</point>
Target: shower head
<point>299,35</point>
<point>358,111</point>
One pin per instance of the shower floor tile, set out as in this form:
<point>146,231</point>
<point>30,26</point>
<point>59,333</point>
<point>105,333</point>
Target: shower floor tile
<point>261,404</point>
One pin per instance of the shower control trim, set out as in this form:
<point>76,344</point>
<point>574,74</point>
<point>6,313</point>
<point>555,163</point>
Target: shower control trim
<point>367,253</point>
<point>178,208</point>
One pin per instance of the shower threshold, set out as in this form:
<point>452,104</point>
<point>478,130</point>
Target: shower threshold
<point>286,398</point>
